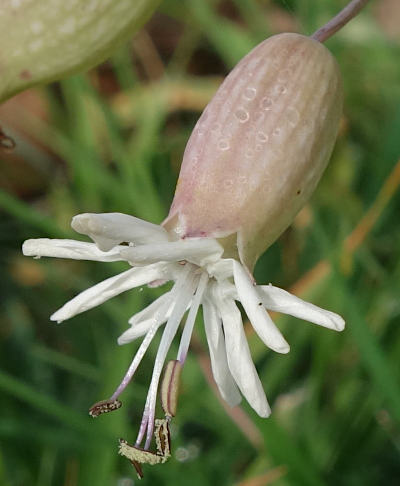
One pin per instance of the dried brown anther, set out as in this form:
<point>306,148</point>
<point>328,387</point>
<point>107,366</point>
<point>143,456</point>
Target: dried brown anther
<point>138,456</point>
<point>104,406</point>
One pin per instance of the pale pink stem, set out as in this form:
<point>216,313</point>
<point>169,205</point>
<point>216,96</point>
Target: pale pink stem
<point>341,19</point>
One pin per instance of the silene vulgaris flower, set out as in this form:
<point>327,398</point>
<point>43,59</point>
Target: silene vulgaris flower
<point>252,161</point>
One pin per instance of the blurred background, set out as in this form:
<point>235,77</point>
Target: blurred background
<point>112,140</point>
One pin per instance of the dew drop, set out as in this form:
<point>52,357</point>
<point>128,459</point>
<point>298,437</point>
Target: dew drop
<point>249,153</point>
<point>266,103</point>
<point>262,137</point>
<point>223,144</point>
<point>249,93</point>
<point>281,89</point>
<point>258,147</point>
<point>242,179</point>
<point>276,131</point>
<point>228,183</point>
<point>216,127</point>
<point>242,115</point>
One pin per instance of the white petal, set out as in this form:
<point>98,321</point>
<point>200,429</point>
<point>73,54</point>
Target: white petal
<point>194,308</point>
<point>279,300</point>
<point>109,288</point>
<point>141,322</point>
<point>110,229</point>
<point>219,363</point>
<point>77,250</point>
<point>256,312</point>
<point>199,251</point>
<point>138,330</point>
<point>149,311</point>
<point>222,269</point>
<point>239,358</point>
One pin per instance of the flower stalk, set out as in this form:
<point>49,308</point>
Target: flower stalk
<point>339,21</point>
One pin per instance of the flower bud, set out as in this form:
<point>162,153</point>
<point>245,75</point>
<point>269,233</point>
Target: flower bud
<point>260,147</point>
<point>43,40</point>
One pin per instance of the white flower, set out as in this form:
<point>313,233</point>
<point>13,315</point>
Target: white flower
<point>203,277</point>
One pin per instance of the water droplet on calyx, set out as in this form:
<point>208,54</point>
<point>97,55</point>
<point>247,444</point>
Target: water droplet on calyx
<point>262,137</point>
<point>249,94</point>
<point>266,103</point>
<point>242,115</point>
<point>223,144</point>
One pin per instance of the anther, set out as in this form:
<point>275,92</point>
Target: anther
<point>170,388</point>
<point>104,406</point>
<point>138,456</point>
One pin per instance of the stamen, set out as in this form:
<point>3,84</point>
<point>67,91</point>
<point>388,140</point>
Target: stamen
<point>139,456</point>
<point>187,284</point>
<point>170,388</point>
<point>104,406</point>
<point>163,438</point>
<point>158,319</point>
<point>188,329</point>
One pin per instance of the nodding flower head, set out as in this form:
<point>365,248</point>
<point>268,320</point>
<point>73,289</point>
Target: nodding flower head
<point>254,158</point>
<point>260,147</point>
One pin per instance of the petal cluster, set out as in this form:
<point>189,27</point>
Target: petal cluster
<point>203,277</point>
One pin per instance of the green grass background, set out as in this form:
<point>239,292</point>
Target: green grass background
<point>112,140</point>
